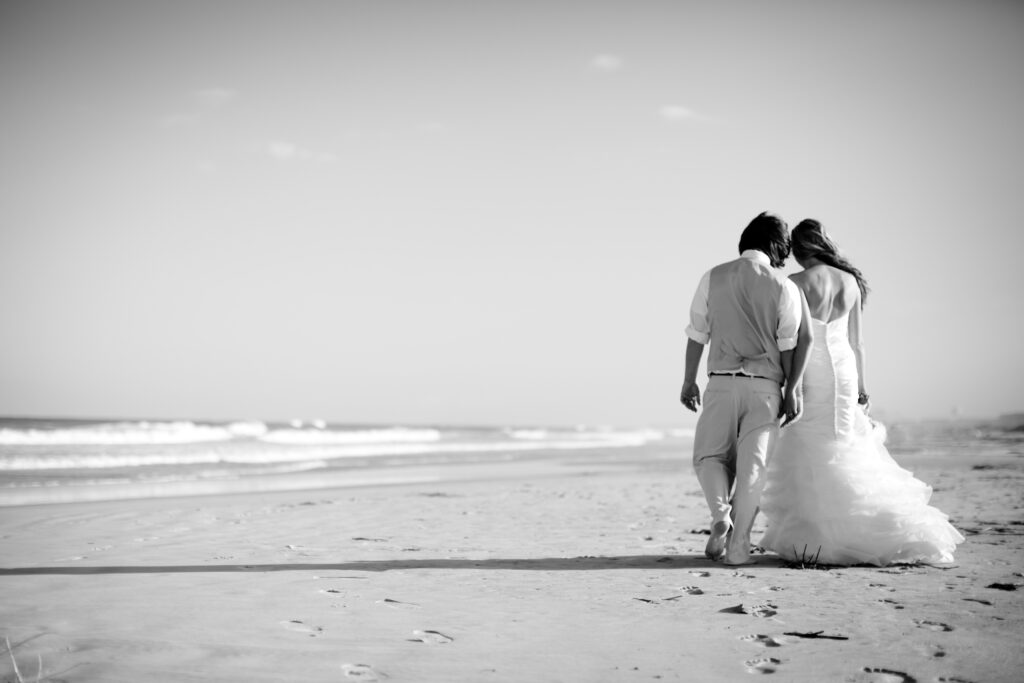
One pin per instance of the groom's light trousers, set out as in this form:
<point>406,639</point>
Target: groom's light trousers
<point>736,433</point>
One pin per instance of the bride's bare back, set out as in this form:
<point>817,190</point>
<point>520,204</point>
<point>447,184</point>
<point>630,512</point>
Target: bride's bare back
<point>831,293</point>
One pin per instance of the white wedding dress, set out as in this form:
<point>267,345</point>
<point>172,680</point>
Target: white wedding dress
<point>833,494</point>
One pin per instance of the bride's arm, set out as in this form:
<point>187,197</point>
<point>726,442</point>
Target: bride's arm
<point>855,333</point>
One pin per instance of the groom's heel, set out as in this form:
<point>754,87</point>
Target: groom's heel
<point>715,548</point>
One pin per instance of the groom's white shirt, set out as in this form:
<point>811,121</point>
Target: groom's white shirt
<point>789,310</point>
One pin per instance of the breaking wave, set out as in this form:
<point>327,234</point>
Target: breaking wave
<point>130,434</point>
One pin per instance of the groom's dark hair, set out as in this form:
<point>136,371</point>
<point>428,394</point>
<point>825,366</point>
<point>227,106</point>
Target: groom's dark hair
<point>769,234</point>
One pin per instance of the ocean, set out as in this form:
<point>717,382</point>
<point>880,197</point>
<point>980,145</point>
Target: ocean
<point>56,461</point>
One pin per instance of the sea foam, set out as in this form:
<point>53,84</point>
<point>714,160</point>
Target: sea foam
<point>351,436</point>
<point>129,433</point>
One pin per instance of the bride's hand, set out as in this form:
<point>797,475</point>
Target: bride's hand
<point>792,407</point>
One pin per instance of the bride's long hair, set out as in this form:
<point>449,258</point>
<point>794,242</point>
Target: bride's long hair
<point>811,241</point>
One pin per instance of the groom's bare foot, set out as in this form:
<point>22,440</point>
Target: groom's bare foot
<point>715,548</point>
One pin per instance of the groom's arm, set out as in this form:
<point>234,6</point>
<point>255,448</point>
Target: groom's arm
<point>699,333</point>
<point>690,394</point>
<point>802,352</point>
<point>794,361</point>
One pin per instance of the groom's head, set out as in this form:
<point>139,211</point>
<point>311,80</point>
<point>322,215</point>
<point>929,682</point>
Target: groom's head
<point>769,234</point>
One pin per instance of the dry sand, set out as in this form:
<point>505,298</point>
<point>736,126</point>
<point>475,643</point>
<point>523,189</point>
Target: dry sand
<point>569,572</point>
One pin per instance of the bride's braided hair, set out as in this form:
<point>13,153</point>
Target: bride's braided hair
<point>811,241</point>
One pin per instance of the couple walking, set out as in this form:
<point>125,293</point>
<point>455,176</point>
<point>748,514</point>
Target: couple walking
<point>790,349</point>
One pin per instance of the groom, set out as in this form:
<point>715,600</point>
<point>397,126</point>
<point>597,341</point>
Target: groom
<point>748,314</point>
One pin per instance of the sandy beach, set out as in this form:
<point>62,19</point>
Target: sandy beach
<point>579,570</point>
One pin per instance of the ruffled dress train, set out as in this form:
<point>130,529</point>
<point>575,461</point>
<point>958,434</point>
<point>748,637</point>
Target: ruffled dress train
<point>833,493</point>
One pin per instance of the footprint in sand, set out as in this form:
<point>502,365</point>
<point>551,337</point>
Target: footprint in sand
<point>952,679</point>
<point>762,665</point>
<point>300,627</point>
<point>760,611</point>
<point>363,672</point>
<point>760,639</point>
<point>932,625</point>
<point>431,638</point>
<point>701,574</point>
<point>764,611</point>
<point>691,590</point>
<point>895,605</point>
<point>872,674</point>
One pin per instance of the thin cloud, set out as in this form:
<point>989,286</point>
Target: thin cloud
<point>284,151</point>
<point>677,113</point>
<point>203,101</point>
<point>607,63</point>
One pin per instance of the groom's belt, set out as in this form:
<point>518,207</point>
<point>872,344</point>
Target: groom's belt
<point>736,374</point>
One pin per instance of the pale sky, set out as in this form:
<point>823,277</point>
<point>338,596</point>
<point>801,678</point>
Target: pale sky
<point>488,212</point>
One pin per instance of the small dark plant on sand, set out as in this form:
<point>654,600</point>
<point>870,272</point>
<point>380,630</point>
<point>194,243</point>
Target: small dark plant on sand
<point>806,561</point>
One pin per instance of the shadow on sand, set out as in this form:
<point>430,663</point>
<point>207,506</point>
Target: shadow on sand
<point>585,563</point>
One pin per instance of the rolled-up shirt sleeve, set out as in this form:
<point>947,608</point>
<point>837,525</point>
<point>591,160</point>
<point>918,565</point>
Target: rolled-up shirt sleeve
<point>789,316</point>
<point>699,330</point>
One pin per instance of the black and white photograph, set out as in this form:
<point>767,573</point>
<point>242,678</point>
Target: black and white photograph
<point>574,341</point>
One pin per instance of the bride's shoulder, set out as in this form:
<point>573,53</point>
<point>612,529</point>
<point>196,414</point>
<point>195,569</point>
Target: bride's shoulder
<point>810,277</point>
<point>847,282</point>
<point>823,273</point>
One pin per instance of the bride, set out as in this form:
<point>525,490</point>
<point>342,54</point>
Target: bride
<point>834,495</point>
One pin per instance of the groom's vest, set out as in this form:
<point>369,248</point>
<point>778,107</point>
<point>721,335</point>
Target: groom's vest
<point>743,314</point>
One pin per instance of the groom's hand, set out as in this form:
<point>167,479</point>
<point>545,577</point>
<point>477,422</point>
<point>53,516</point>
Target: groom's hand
<point>690,395</point>
<point>792,407</point>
